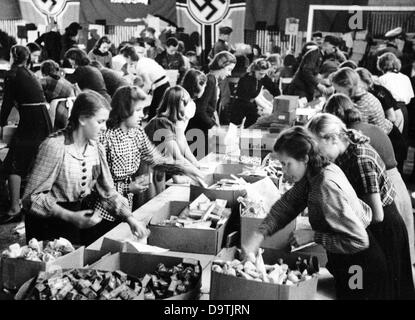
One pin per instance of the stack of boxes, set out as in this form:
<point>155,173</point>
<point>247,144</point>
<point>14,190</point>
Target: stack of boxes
<point>285,112</point>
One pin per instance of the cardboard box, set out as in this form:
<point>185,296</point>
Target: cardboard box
<point>16,271</point>
<point>139,264</point>
<point>184,239</point>
<point>286,117</point>
<point>230,195</point>
<point>285,103</point>
<point>278,241</point>
<point>226,287</point>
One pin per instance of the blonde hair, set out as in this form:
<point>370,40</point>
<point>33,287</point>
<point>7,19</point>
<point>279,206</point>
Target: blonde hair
<point>346,78</point>
<point>326,126</point>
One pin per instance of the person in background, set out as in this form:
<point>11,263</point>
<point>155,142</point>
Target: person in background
<point>70,191</point>
<point>287,72</point>
<point>193,60</point>
<point>342,107</point>
<point>6,43</point>
<point>389,104</point>
<point>151,50</point>
<point>113,79</point>
<point>171,58</point>
<point>118,61</point>
<point>126,144</point>
<point>167,130</point>
<point>317,37</point>
<point>54,86</point>
<point>346,81</point>
<point>349,64</point>
<point>250,102</point>
<point>306,81</point>
<point>337,217</point>
<point>70,38</point>
<point>257,52</point>
<point>398,84</point>
<point>35,52</point>
<point>90,44</point>
<point>274,73</point>
<point>206,115</point>
<point>242,51</point>
<point>85,75</point>
<point>366,172</point>
<point>101,52</point>
<point>23,90</point>
<point>154,76</point>
<point>51,42</point>
<point>223,42</point>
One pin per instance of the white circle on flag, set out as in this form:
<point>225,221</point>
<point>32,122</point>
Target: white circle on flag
<point>208,12</point>
<point>50,7</point>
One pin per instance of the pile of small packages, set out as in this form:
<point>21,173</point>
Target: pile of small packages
<point>279,273</point>
<point>234,183</point>
<point>85,284</point>
<point>44,251</point>
<point>252,208</point>
<point>168,282</point>
<point>201,213</point>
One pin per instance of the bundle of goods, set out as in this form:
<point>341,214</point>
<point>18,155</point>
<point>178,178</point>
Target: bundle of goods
<point>235,183</point>
<point>201,213</point>
<point>44,251</point>
<point>279,273</point>
<point>252,208</point>
<point>168,282</point>
<point>84,284</point>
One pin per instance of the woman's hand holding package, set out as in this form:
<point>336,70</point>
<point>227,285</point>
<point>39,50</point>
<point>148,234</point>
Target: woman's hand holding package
<point>301,237</point>
<point>138,228</point>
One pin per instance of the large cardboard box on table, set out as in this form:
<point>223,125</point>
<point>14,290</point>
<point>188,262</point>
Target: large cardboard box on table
<point>140,264</point>
<point>285,103</point>
<point>203,241</point>
<point>228,287</point>
<point>16,271</point>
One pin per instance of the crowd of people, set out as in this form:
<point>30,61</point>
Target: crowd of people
<point>129,126</point>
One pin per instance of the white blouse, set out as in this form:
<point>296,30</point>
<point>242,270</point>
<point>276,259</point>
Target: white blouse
<point>399,86</point>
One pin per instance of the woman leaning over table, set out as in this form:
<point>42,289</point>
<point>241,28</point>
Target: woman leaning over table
<point>366,172</point>
<point>127,145</point>
<point>337,217</point>
<point>70,191</point>
<point>343,108</point>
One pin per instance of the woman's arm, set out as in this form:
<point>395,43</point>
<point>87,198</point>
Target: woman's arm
<point>374,201</point>
<point>37,196</point>
<point>390,114</point>
<point>8,101</point>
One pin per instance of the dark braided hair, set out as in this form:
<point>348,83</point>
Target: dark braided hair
<point>298,143</point>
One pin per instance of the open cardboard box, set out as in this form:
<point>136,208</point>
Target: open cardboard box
<point>16,271</point>
<point>183,239</point>
<point>237,169</point>
<point>140,264</point>
<point>227,287</point>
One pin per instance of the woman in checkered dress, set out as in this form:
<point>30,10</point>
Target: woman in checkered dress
<point>366,171</point>
<point>337,217</point>
<point>70,191</point>
<point>127,145</point>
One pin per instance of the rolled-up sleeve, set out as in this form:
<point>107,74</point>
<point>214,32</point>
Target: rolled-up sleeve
<point>348,234</point>
<point>38,198</point>
<point>285,209</point>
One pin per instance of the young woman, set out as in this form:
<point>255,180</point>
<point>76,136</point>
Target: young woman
<point>86,76</point>
<point>127,145</point>
<point>101,52</point>
<point>389,104</point>
<point>166,130</point>
<point>250,102</point>
<point>367,174</point>
<point>337,216</point>
<point>206,115</point>
<point>54,86</point>
<point>346,81</point>
<point>35,52</point>
<point>342,107</point>
<point>397,83</point>
<point>23,89</point>
<point>70,191</point>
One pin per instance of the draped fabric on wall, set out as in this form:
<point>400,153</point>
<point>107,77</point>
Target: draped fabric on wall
<point>116,13</point>
<point>275,12</point>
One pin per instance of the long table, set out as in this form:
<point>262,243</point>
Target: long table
<point>325,290</point>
